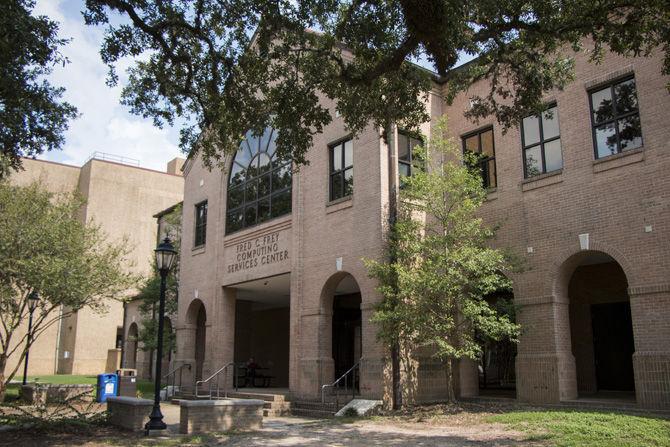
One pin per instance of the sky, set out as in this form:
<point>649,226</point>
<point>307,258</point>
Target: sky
<point>104,125</point>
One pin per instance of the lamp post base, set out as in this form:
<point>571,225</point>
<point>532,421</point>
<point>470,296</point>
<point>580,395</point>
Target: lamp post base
<point>155,420</point>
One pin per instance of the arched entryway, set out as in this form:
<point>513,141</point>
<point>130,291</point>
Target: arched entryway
<point>601,329</point>
<point>496,364</point>
<point>342,327</point>
<point>131,347</point>
<point>197,316</point>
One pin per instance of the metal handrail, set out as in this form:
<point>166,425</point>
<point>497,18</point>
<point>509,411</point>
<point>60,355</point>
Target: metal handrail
<point>216,376</point>
<point>346,385</point>
<point>173,374</point>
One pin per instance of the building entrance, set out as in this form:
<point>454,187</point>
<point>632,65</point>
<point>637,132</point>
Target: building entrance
<point>346,332</point>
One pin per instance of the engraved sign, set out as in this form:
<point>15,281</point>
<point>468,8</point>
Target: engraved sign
<point>262,251</point>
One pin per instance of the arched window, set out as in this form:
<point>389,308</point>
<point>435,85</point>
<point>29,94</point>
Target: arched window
<point>259,185</point>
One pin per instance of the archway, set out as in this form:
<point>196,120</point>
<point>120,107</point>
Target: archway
<point>131,347</point>
<point>197,316</point>
<point>601,329</point>
<point>341,301</point>
<point>496,365</point>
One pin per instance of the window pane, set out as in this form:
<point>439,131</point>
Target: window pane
<point>264,210</point>
<point>264,162</point>
<point>252,142</point>
<point>606,140</point>
<point>491,173</point>
<point>336,157</point>
<point>251,191</point>
<point>531,130</point>
<point>265,139</point>
<point>243,155</point>
<point>550,123</point>
<point>533,157</point>
<point>281,203</point>
<point>602,105</point>
<point>630,132</point>
<point>626,98</point>
<point>404,169</point>
<point>281,178</point>
<point>235,197</point>
<point>472,143</point>
<point>335,186</point>
<point>264,185</point>
<point>349,182</point>
<point>487,143</point>
<point>348,153</point>
<point>403,147</point>
<point>552,156</point>
<point>234,221</point>
<point>250,215</point>
<point>236,174</point>
<point>253,168</point>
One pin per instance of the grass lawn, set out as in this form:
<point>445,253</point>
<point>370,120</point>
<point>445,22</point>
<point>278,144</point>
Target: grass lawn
<point>588,429</point>
<point>144,387</point>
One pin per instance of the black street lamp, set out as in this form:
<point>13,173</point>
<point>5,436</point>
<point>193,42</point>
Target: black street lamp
<point>33,301</point>
<point>165,257</point>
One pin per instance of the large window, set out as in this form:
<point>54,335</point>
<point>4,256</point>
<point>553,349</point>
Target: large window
<point>407,160</point>
<point>259,185</point>
<point>200,224</point>
<point>341,170</point>
<point>541,141</point>
<point>615,118</point>
<point>480,143</point>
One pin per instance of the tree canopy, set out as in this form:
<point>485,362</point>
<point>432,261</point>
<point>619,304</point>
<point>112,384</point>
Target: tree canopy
<point>44,247</point>
<point>227,67</point>
<point>33,117</point>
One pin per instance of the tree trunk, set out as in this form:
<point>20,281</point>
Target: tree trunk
<point>3,386</point>
<point>449,376</point>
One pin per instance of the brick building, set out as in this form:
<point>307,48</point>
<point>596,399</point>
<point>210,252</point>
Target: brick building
<point>271,262</point>
<point>121,198</point>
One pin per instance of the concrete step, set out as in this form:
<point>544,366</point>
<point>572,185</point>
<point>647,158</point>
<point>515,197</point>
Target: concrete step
<point>312,413</point>
<point>314,409</point>
<point>268,397</point>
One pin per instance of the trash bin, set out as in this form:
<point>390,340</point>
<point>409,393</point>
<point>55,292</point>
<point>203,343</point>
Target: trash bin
<point>126,372</point>
<point>107,386</point>
<point>128,386</point>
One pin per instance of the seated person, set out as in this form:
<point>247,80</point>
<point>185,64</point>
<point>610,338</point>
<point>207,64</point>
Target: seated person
<point>252,366</point>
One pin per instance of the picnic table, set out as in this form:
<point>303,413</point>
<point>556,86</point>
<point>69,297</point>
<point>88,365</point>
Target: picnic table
<point>251,378</point>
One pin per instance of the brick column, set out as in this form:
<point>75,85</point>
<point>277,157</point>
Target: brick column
<point>221,333</point>
<point>185,335</point>
<point>372,357</point>
<point>651,328</point>
<point>545,366</point>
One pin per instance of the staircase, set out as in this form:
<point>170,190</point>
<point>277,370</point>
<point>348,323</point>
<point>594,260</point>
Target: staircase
<point>314,409</point>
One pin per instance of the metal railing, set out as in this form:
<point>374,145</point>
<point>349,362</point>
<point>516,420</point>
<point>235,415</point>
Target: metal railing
<point>343,381</point>
<point>210,382</point>
<point>177,372</point>
<point>104,156</point>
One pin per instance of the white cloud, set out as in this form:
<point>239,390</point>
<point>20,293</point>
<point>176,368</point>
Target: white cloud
<point>104,124</point>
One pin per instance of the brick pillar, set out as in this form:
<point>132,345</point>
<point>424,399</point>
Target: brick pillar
<point>651,360</point>
<point>372,358</point>
<point>545,366</point>
<point>467,378</point>
<point>221,333</point>
<point>315,366</point>
<point>186,353</point>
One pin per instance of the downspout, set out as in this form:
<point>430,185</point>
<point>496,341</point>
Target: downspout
<point>391,139</point>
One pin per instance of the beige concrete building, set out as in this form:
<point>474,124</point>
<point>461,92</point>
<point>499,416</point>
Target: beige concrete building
<point>122,198</point>
<point>271,262</point>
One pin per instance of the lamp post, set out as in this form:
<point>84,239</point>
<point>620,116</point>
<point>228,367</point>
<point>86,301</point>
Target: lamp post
<point>33,301</point>
<point>165,257</point>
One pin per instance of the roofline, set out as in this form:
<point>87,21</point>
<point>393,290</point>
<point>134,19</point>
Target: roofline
<point>167,210</point>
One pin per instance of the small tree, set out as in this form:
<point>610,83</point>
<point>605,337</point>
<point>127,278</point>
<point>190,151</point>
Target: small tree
<point>440,263</point>
<point>45,247</point>
<point>150,291</point>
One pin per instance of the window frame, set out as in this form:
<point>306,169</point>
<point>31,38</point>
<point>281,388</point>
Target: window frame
<point>615,117</point>
<point>409,135</point>
<point>541,143</point>
<point>200,228</point>
<point>342,171</point>
<point>483,161</point>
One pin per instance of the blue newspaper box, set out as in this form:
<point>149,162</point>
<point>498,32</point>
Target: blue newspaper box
<point>107,386</point>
